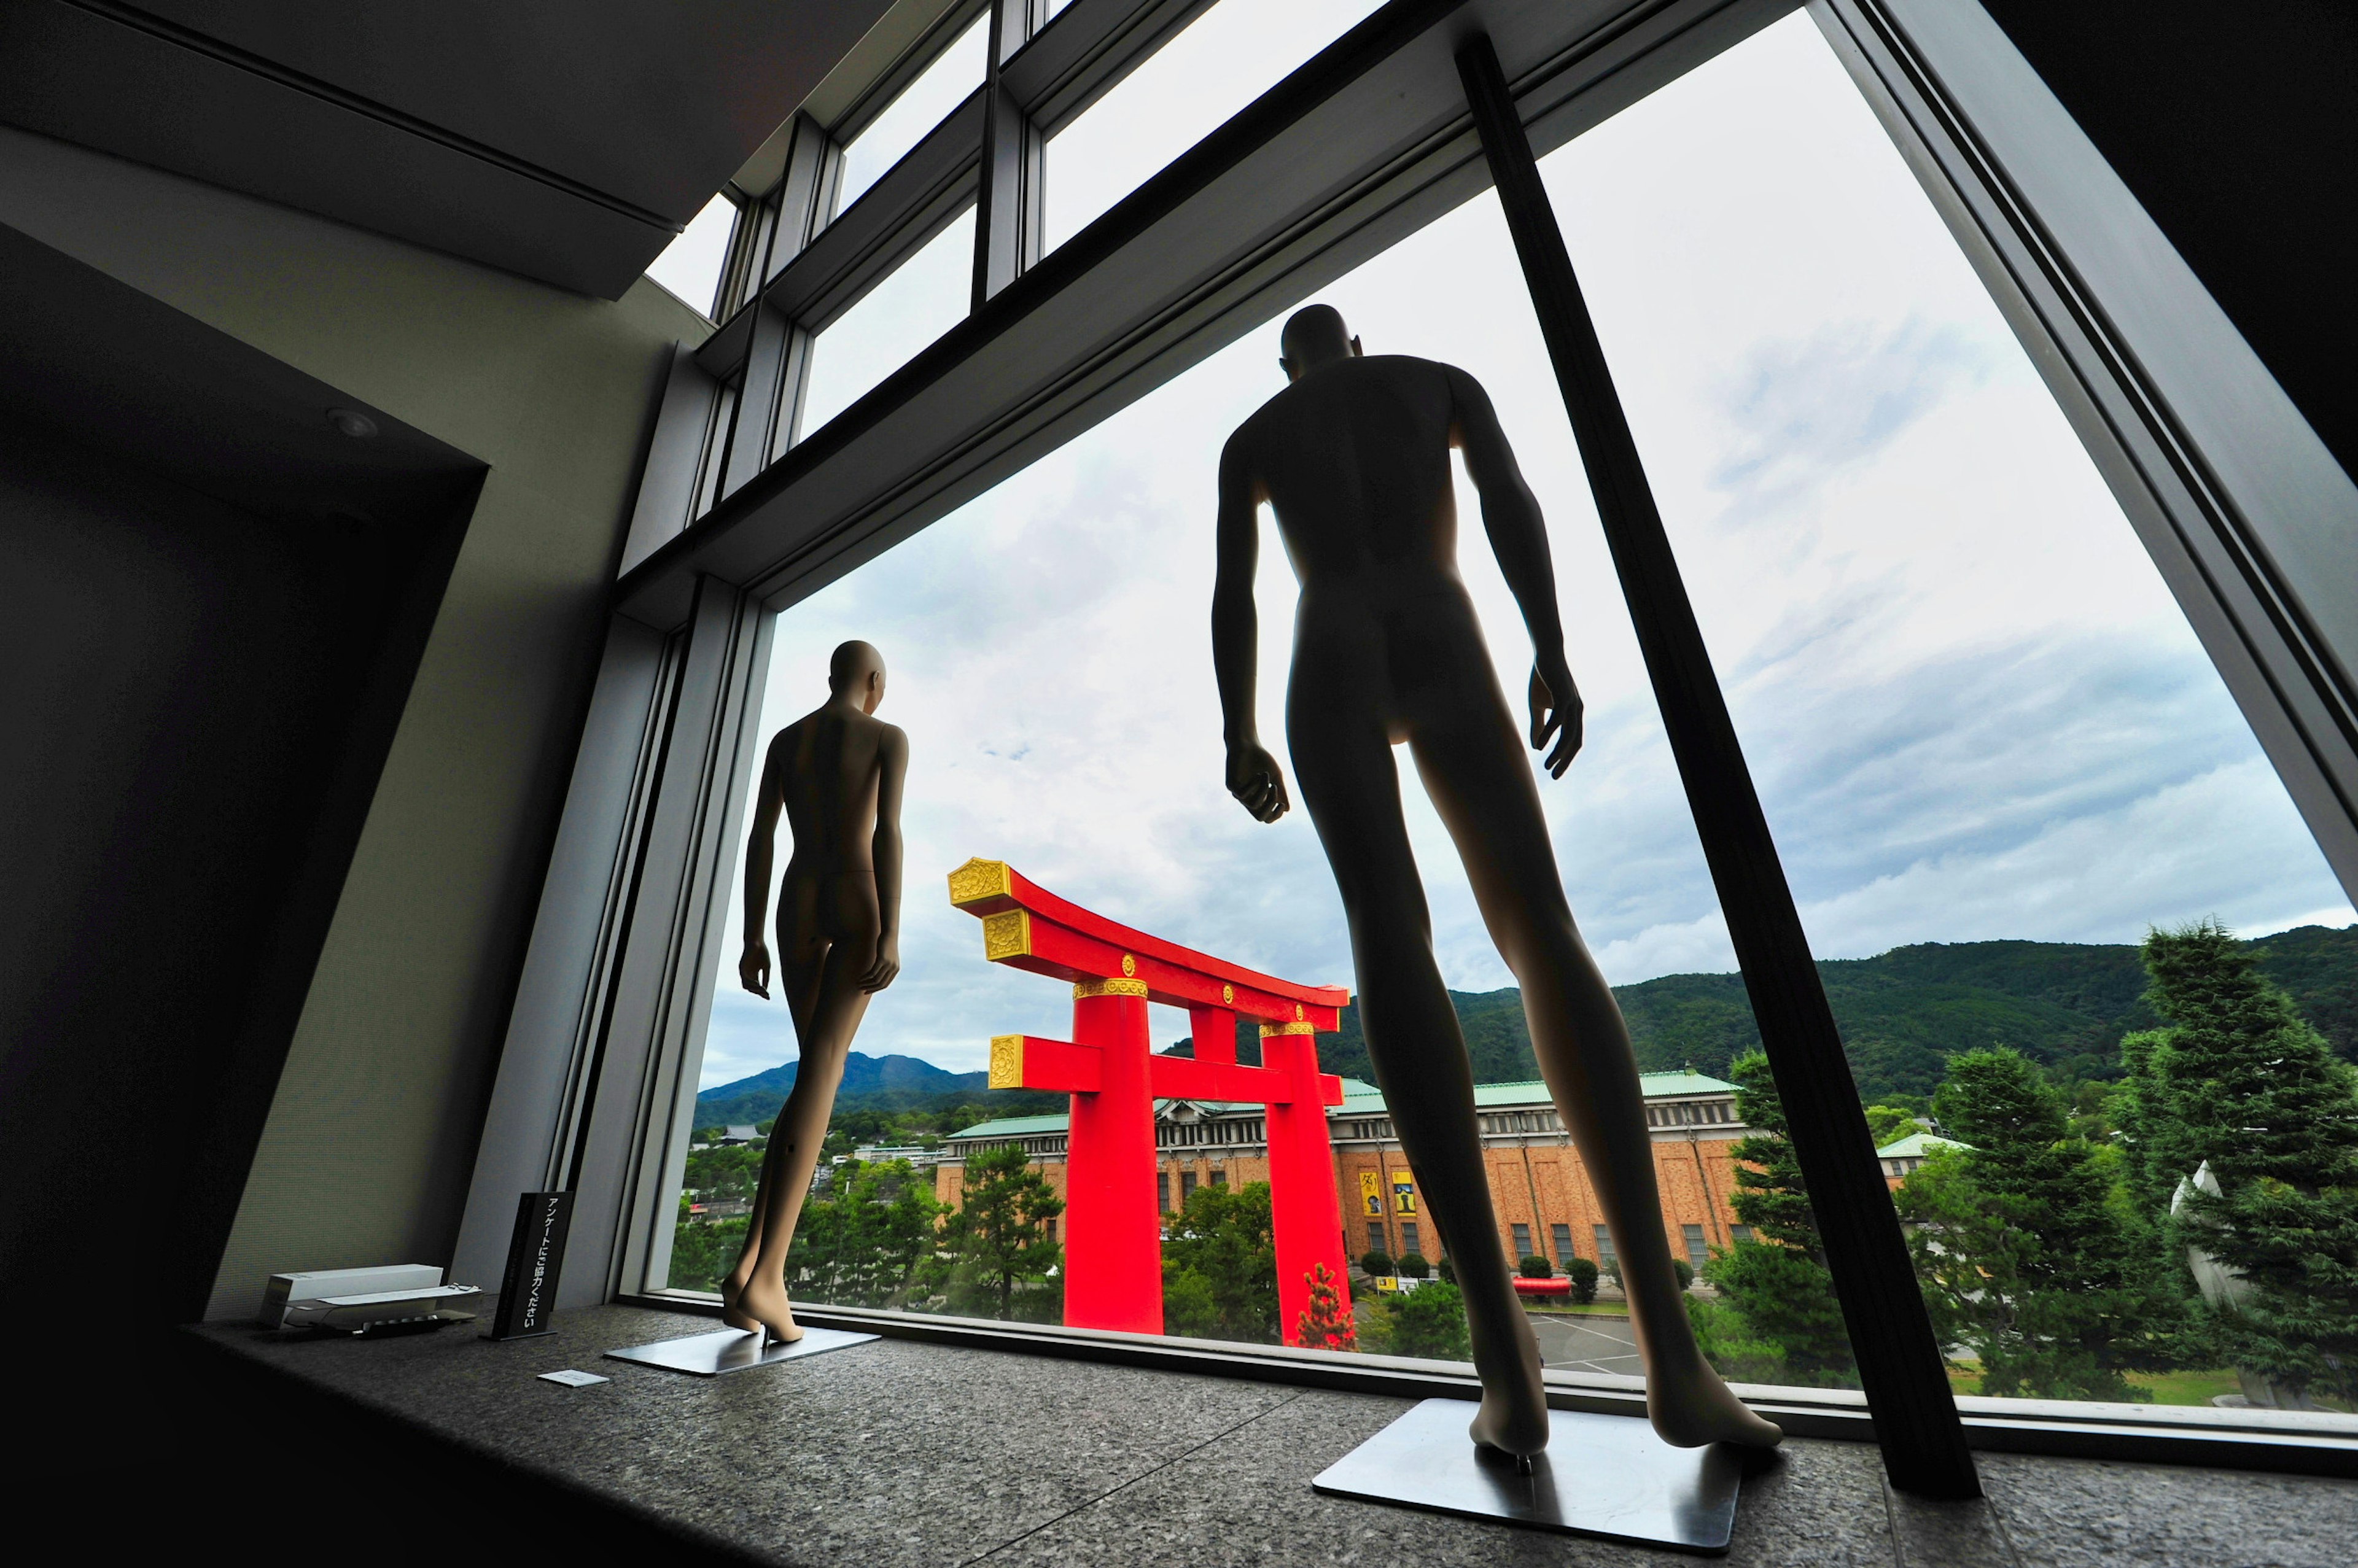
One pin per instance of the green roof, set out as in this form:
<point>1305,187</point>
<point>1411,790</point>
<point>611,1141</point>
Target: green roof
<point>1532,1091</point>
<point>1014,1126</point>
<point>1360,1099</point>
<point>1916,1145</point>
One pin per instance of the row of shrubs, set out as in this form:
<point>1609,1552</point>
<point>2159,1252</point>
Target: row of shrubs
<point>1579,1270</point>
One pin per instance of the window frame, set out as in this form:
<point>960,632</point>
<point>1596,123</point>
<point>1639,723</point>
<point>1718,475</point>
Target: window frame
<point>709,565</point>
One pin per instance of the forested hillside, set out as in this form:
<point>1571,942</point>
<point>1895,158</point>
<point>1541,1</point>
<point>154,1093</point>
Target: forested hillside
<point>870,1083</point>
<point>1902,1013</point>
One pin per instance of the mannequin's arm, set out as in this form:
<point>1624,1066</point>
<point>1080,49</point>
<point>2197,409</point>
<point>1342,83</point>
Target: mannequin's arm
<point>892,769</point>
<point>1252,774</point>
<point>753,968</point>
<point>1510,515</point>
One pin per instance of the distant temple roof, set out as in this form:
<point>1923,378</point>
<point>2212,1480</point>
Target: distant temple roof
<point>1364,1098</point>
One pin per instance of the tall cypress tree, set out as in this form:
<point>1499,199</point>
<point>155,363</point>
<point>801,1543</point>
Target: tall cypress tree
<point>2239,1082</point>
<point>2022,1241</point>
<point>1778,1281</point>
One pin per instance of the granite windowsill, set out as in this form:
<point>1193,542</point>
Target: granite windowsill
<point>898,1452</point>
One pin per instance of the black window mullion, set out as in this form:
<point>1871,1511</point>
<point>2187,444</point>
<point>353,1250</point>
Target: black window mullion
<point>1900,1362</point>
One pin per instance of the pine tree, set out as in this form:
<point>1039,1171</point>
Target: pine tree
<point>1430,1321</point>
<point>1779,1283</point>
<point>2240,1083</point>
<point>2022,1248</point>
<point>1325,1322</point>
<point>2146,1127</point>
<point>1227,1239</point>
<point>1769,1195</point>
<point>999,1234</point>
<point>861,1247</point>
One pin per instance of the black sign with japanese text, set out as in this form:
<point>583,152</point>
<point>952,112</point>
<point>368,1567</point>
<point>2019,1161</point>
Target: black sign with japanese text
<point>536,1255</point>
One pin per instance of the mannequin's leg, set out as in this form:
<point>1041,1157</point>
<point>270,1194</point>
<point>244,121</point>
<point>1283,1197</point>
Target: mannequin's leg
<point>1351,785</point>
<point>1480,781</point>
<point>800,1132</point>
<point>802,961</point>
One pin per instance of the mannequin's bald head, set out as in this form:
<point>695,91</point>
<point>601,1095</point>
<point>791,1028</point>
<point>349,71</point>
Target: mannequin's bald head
<point>856,671</point>
<point>1313,336</point>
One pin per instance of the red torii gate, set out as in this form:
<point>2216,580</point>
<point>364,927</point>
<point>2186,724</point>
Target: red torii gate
<point>1113,1238</point>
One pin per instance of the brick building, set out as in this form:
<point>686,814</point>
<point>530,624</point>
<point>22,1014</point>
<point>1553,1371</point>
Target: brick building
<point>1539,1189</point>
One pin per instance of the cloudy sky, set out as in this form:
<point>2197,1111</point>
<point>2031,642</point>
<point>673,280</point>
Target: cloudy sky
<point>1971,709</point>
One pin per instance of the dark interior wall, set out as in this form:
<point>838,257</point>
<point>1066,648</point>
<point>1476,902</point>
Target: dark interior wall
<point>545,399</point>
<point>197,699</point>
<point>2236,126</point>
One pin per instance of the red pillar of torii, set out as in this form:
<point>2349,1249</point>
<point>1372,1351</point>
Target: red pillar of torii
<point>1113,1229</point>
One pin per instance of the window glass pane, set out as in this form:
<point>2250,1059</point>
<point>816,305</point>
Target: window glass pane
<point>925,298</point>
<point>691,265</point>
<point>1223,60</point>
<point>1048,662</point>
<point>1989,746</point>
<point>1993,753</point>
<point>941,87</point>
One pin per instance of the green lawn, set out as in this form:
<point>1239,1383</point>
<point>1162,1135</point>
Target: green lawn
<point>2149,1388</point>
<point>1572,1309</point>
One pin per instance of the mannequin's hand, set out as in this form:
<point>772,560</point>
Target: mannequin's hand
<point>1555,710</point>
<point>887,965</point>
<point>753,969</point>
<point>1254,779</point>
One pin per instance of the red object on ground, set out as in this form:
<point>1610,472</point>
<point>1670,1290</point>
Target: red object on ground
<point>1541,1287</point>
<point>1113,1246</point>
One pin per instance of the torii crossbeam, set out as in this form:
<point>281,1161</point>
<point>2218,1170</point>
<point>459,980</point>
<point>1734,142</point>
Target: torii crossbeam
<point>1113,1248</point>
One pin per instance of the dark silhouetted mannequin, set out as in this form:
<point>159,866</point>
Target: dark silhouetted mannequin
<point>1353,458</point>
<point>837,772</point>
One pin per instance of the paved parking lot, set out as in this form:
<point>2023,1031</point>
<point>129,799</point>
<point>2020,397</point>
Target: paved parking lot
<point>1587,1343</point>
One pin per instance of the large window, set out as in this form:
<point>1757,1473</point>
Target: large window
<point>941,87</point>
<point>691,265</point>
<point>2034,841</point>
<point>922,299</point>
<point>1222,61</point>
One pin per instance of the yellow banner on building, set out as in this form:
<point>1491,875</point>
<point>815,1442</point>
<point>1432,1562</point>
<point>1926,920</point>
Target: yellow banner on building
<point>1404,1195</point>
<point>1371,1195</point>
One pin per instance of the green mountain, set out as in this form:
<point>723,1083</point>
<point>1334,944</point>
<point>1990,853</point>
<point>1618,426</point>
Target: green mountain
<point>870,1083</point>
<point>1902,1013</point>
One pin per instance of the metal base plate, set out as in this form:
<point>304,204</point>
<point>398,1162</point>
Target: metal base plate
<point>732,1350</point>
<point>1600,1474</point>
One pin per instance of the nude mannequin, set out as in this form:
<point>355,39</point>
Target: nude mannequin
<point>1353,458</point>
<point>837,772</point>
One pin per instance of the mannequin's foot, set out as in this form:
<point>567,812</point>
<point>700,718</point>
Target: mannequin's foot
<point>1694,1407</point>
<point>760,1307</point>
<point>1513,1421</point>
<point>1514,1416</point>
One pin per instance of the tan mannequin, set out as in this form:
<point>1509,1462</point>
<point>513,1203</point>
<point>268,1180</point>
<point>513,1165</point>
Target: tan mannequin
<point>1353,458</point>
<point>837,773</point>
